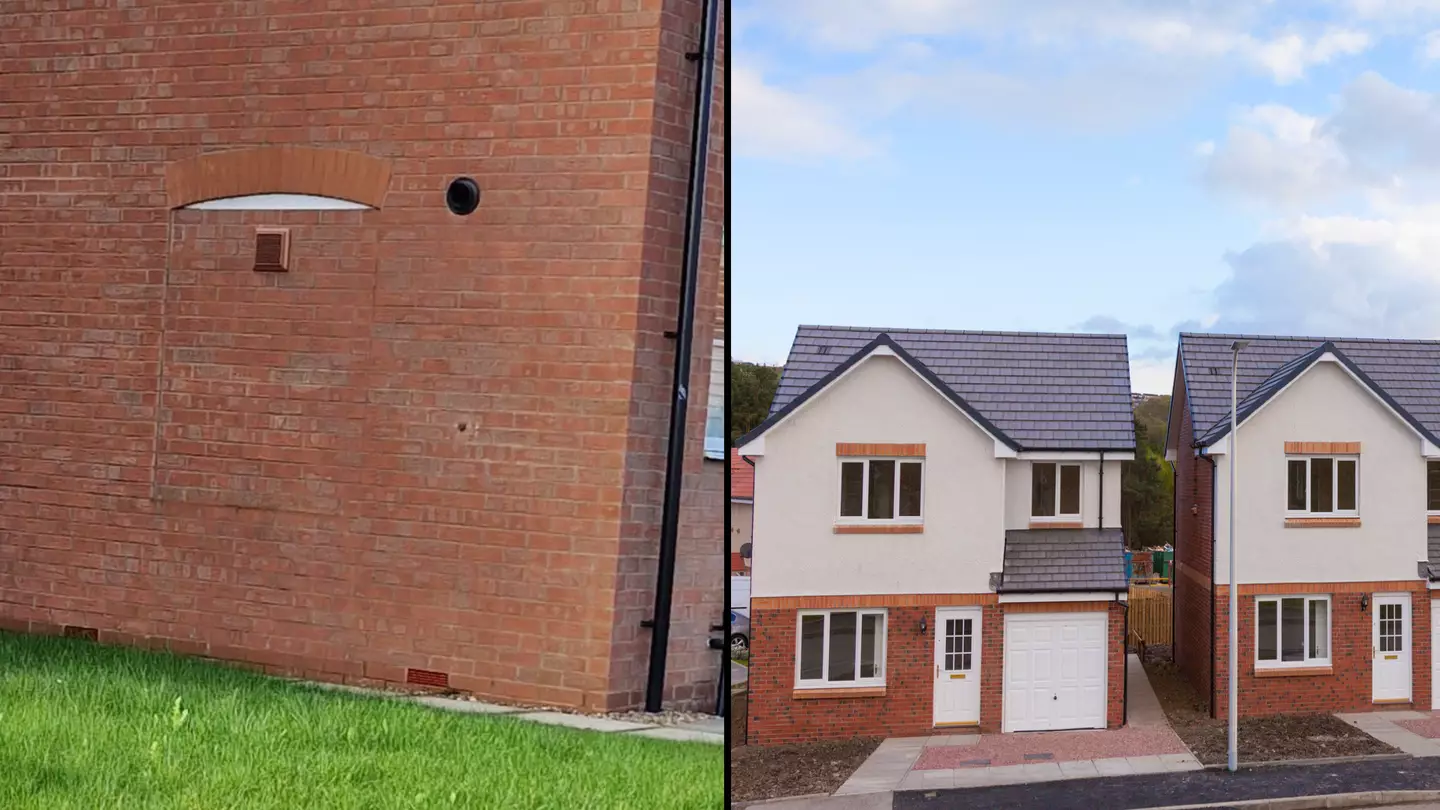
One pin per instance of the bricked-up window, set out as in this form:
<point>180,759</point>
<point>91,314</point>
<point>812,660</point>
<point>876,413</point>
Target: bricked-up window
<point>1432,486</point>
<point>840,648</point>
<point>715,407</point>
<point>882,489</point>
<point>1054,490</point>
<point>1322,486</point>
<point>1292,631</point>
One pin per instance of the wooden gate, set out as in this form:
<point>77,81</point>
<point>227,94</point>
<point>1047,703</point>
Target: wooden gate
<point>1151,613</point>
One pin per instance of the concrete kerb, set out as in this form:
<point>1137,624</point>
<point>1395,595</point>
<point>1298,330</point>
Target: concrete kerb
<point>1270,763</point>
<point>1371,798</point>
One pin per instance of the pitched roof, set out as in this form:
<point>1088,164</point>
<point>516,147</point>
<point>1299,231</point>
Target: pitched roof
<point>1064,560</point>
<point>742,477</point>
<point>1036,391</point>
<point>1404,373</point>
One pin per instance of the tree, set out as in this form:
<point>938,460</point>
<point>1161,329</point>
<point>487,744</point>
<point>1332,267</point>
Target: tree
<point>752,389</point>
<point>1147,492</point>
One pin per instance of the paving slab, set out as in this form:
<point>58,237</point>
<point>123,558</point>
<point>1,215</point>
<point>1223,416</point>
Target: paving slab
<point>580,721</point>
<point>471,706</point>
<point>1115,766</point>
<point>1079,770</point>
<point>677,734</point>
<point>952,740</point>
<point>1147,764</point>
<point>1382,727</point>
<point>713,725</point>
<point>1142,706</point>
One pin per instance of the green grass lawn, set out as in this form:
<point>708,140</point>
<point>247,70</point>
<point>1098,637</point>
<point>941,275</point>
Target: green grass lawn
<point>87,726</point>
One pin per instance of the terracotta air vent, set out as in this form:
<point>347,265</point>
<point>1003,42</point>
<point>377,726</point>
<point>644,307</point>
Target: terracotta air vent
<point>272,250</point>
<point>426,677</point>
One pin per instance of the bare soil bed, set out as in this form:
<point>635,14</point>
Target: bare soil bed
<point>1262,739</point>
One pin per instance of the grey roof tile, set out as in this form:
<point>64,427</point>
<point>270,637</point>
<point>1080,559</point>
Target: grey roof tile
<point>1064,559</point>
<point>1042,390</point>
<point>1408,371</point>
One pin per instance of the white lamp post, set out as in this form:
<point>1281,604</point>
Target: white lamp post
<point>1233,747</point>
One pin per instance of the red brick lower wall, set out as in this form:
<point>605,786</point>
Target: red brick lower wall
<point>1191,648</point>
<point>906,708</point>
<point>1348,687</point>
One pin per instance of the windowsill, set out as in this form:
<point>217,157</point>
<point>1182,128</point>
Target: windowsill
<point>1051,523</point>
<point>1292,672</point>
<point>835,693</point>
<point>879,528</point>
<point>1322,522</point>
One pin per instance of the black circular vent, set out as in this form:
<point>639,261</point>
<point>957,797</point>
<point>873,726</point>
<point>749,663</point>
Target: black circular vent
<point>463,196</point>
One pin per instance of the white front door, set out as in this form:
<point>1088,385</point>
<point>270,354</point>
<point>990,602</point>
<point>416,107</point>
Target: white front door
<point>957,666</point>
<point>1391,641</point>
<point>1055,671</point>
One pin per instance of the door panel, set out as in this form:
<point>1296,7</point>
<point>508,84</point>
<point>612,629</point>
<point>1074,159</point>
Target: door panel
<point>1391,643</point>
<point>957,666</point>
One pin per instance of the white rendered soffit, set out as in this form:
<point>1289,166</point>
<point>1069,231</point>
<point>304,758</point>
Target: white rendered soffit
<point>1078,596</point>
<point>1073,455</point>
<point>1428,449</point>
<point>279,202</point>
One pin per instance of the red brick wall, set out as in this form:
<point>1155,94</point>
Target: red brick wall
<point>273,468</point>
<point>907,707</point>
<point>1347,688</point>
<point>1194,539</point>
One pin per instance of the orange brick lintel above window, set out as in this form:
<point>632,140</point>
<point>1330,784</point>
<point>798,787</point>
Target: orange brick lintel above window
<point>900,450</point>
<point>880,528</point>
<point>1292,672</point>
<point>1323,523</point>
<point>1307,448</point>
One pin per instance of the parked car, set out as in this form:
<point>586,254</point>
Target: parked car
<point>739,632</point>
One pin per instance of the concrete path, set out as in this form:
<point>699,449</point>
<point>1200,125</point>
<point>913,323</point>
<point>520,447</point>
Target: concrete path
<point>1382,726</point>
<point>1142,707</point>
<point>739,673</point>
<point>710,730</point>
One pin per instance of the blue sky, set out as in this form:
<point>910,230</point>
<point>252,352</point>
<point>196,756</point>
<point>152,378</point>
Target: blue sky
<point>1144,166</point>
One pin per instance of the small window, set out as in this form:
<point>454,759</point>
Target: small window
<point>1054,490</point>
<point>1432,486</point>
<point>883,489</point>
<point>715,407</point>
<point>1322,485</point>
<point>841,648</point>
<point>1292,631</point>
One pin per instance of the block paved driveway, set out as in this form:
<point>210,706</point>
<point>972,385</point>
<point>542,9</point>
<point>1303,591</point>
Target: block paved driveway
<point>1145,745</point>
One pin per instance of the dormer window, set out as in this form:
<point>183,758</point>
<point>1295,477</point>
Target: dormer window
<point>1054,491</point>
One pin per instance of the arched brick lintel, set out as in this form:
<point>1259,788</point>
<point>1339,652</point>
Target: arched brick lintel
<point>338,173</point>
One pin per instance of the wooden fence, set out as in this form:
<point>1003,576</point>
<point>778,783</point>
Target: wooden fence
<point>1151,615</point>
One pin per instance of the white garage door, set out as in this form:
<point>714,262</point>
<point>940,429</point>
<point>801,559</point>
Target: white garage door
<point>740,594</point>
<point>1054,671</point>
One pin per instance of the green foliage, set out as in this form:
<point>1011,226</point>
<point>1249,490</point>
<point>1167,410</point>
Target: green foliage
<point>88,726</point>
<point>1147,499</point>
<point>752,389</point>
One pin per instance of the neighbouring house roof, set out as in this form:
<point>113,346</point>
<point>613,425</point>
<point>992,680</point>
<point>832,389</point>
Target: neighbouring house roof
<point>1064,560</point>
<point>1405,374</point>
<point>1031,390</point>
<point>742,478</point>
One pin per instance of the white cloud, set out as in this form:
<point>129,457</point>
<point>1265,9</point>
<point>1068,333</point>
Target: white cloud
<point>1287,57</point>
<point>1430,46</point>
<point>1277,155</point>
<point>1152,376</point>
<point>772,122</point>
<point>1205,148</point>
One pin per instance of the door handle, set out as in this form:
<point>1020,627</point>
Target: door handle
<point>937,670</point>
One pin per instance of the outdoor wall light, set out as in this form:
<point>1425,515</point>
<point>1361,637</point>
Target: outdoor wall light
<point>922,625</point>
<point>1364,601</point>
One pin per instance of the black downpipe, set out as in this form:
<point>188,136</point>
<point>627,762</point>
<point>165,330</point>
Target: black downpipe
<point>1125,646</point>
<point>1174,556</point>
<point>675,452</point>
<point>1102,490</point>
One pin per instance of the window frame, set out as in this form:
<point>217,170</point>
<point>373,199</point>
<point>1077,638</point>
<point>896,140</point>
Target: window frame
<point>715,401</point>
<point>1059,517</point>
<point>1428,511</point>
<point>1335,459</point>
<point>1307,662</point>
<point>881,650</point>
<point>864,519</point>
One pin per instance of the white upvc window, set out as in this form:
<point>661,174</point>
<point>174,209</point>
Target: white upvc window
<point>840,648</point>
<point>882,490</point>
<point>1054,491</point>
<point>715,407</point>
<point>1292,631</point>
<point>1322,486</point>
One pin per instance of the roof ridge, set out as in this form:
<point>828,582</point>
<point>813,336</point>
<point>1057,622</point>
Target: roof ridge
<point>1317,338</point>
<point>987,332</point>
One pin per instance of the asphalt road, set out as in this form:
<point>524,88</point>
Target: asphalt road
<point>1195,787</point>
